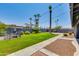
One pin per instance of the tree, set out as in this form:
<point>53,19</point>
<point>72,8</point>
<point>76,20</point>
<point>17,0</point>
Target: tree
<point>2,28</point>
<point>36,29</point>
<point>2,25</point>
<point>57,27</point>
<point>38,16</point>
<point>50,12</point>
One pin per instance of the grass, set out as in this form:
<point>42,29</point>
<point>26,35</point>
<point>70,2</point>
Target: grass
<point>9,46</point>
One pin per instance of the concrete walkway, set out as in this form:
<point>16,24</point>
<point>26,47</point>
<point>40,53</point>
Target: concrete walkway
<point>77,47</point>
<point>50,53</point>
<point>47,52</point>
<point>40,47</point>
<point>32,49</point>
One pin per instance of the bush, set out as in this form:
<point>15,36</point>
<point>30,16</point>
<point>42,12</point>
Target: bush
<point>39,31</point>
<point>33,32</point>
<point>65,34</point>
<point>36,30</point>
<point>27,32</point>
<point>22,33</point>
<point>1,34</point>
<point>70,33</point>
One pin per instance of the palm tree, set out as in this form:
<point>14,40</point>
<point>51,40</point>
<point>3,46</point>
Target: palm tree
<point>37,22</point>
<point>38,15</point>
<point>35,16</point>
<point>50,11</point>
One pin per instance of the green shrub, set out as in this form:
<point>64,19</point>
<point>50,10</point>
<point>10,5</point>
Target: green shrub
<point>33,32</point>
<point>39,31</point>
<point>22,33</point>
<point>36,30</point>
<point>65,34</point>
<point>27,32</point>
<point>1,34</point>
<point>70,33</point>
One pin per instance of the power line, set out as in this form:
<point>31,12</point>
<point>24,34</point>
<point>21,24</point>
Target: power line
<point>63,13</point>
<point>46,12</point>
<point>57,6</point>
<point>52,8</point>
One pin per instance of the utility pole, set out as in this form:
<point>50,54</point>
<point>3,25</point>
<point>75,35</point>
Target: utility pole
<point>50,12</point>
<point>30,24</point>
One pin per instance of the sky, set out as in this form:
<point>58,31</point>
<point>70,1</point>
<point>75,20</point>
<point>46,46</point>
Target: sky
<point>19,14</point>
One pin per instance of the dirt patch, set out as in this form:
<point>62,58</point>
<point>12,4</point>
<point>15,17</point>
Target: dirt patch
<point>38,53</point>
<point>62,47</point>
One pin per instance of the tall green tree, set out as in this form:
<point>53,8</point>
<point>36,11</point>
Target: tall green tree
<point>36,29</point>
<point>2,25</point>
<point>2,28</point>
<point>50,14</point>
<point>58,27</point>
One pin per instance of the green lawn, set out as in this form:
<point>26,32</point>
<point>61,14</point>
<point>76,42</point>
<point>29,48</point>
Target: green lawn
<point>9,46</point>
